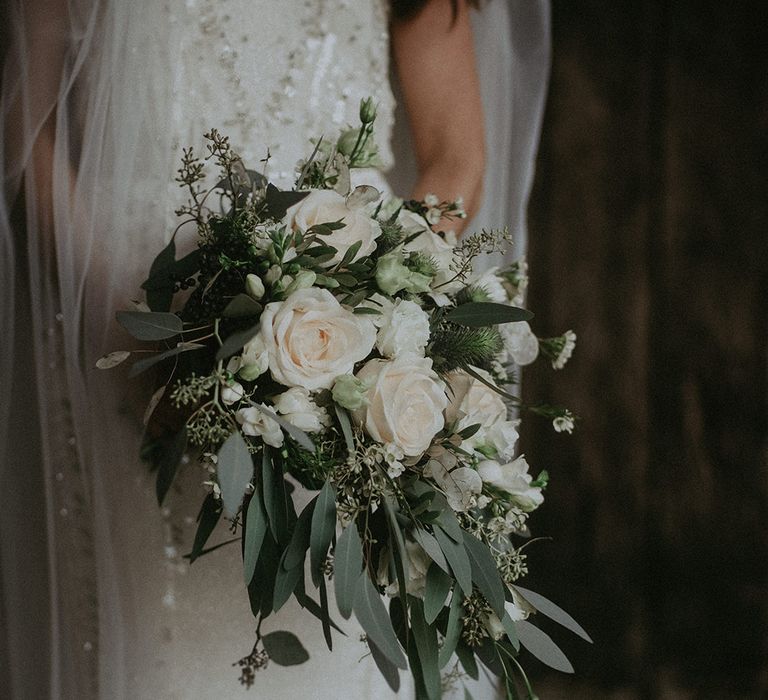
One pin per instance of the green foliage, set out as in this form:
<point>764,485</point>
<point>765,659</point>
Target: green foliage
<point>453,347</point>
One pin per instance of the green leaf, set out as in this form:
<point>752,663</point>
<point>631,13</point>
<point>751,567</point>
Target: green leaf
<point>349,256</point>
<point>347,567</point>
<point>387,668</point>
<point>207,519</point>
<point>542,647</point>
<point>296,552</point>
<point>452,630</point>
<point>325,619</point>
<point>485,573</point>
<point>323,528</point>
<point>112,359</point>
<point>469,431</point>
<point>314,609</point>
<point>284,648</point>
<point>373,618</point>
<point>273,492</point>
<point>285,582</point>
<point>279,202</point>
<point>457,559</point>
<point>486,313</point>
<point>143,365</point>
<point>437,588</point>
<point>255,529</point>
<point>234,470</point>
<point>431,547</point>
<point>152,325</point>
<point>235,342</point>
<point>425,636</point>
<point>242,306</point>
<point>170,452</point>
<point>450,526</point>
<point>346,427</point>
<point>467,659</point>
<point>509,627</point>
<point>399,553</point>
<point>163,273</point>
<point>552,611</point>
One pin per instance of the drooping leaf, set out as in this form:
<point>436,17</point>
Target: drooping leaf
<point>285,582</point>
<point>387,668</point>
<point>255,529</point>
<point>450,526</point>
<point>452,630</point>
<point>373,618</point>
<point>509,627</point>
<point>399,553</point>
<point>273,492</point>
<point>325,620</point>
<point>347,567</point>
<point>436,592</point>
<point>540,644</point>
<point>207,519</point>
<point>457,559</point>
<point>155,325</point>
<point>487,653</point>
<point>313,608</point>
<point>170,452</point>
<point>552,611</point>
<point>279,202</point>
<point>486,313</point>
<point>235,342</point>
<point>242,306</point>
<point>425,637</point>
<point>113,359</point>
<point>284,648</point>
<point>467,659</point>
<point>346,427</point>
<point>234,469</point>
<point>485,573</point>
<point>153,403</point>
<point>261,588</point>
<point>296,552</point>
<point>143,365</point>
<point>323,528</point>
<point>431,547</point>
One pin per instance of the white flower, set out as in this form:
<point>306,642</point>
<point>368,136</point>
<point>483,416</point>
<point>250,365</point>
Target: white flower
<point>434,215</point>
<point>255,360</point>
<point>257,423</point>
<point>312,339</point>
<point>569,343</point>
<point>564,423</point>
<point>406,400</point>
<point>297,407</point>
<point>517,609</point>
<point>430,243</point>
<point>520,342</point>
<point>231,393</point>
<point>254,286</point>
<point>514,479</point>
<point>412,222</point>
<point>503,436</point>
<point>403,328</point>
<point>431,200</point>
<point>326,206</point>
<point>461,486</point>
<point>392,458</point>
<point>492,284</point>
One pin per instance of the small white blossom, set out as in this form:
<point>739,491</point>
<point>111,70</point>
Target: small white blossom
<point>431,200</point>
<point>254,360</point>
<point>256,423</point>
<point>298,408</point>
<point>231,393</point>
<point>564,423</point>
<point>569,343</point>
<point>433,216</point>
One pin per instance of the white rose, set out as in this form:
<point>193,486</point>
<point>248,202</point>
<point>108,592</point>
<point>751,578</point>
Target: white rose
<point>491,283</point>
<point>403,328</point>
<point>326,206</point>
<point>296,406</point>
<point>257,423</point>
<point>255,360</point>
<point>311,339</point>
<point>406,401</point>
<point>520,342</point>
<point>514,479</point>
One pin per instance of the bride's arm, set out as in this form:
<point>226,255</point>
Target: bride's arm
<point>435,59</point>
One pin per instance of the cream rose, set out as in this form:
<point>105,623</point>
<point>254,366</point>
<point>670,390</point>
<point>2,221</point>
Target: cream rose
<point>326,206</point>
<point>406,401</point>
<point>311,339</point>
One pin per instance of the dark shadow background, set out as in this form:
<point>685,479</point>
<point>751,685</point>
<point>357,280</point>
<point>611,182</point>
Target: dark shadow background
<point>648,229</point>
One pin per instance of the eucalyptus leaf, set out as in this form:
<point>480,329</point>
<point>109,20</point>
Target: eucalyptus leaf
<point>540,644</point>
<point>153,403</point>
<point>452,630</point>
<point>347,567</point>
<point>313,608</point>
<point>207,519</point>
<point>486,313</point>
<point>273,492</point>
<point>387,668</point>
<point>467,659</point>
<point>436,592</point>
<point>234,469</point>
<point>155,325</point>
<point>552,611</point>
<point>296,552</point>
<point>255,529</point>
<point>362,195</point>
<point>284,648</point>
<point>457,559</point>
<point>323,528</point>
<point>485,573</point>
<point>242,306</point>
<point>143,365</point>
<point>325,620</point>
<point>509,627</point>
<point>373,618</point>
<point>425,637</point>
<point>169,455</point>
<point>235,342</point>
<point>450,526</point>
<point>399,553</point>
<point>285,582</point>
<point>113,359</point>
<point>346,427</point>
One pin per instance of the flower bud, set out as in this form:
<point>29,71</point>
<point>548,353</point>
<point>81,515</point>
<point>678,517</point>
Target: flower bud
<point>273,274</point>
<point>350,392</point>
<point>367,110</point>
<point>303,280</point>
<point>254,286</point>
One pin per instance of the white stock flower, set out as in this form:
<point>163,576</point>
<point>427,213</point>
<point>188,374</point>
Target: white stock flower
<point>492,284</point>
<point>520,342</point>
<point>231,393</point>
<point>326,206</point>
<point>514,479</point>
<point>431,200</point>
<point>406,400</point>
<point>403,328</point>
<point>312,339</point>
<point>298,408</point>
<point>255,360</point>
<point>258,424</point>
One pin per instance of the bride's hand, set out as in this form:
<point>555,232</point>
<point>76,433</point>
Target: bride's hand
<point>435,58</point>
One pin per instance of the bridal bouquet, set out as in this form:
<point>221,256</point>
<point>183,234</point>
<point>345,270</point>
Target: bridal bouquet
<point>331,338</point>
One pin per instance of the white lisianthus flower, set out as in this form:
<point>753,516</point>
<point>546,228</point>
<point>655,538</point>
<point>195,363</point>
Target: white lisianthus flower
<point>403,328</point>
<point>349,392</point>
<point>298,408</point>
<point>255,360</point>
<point>311,339</point>
<point>326,206</point>
<point>520,342</point>
<point>258,424</point>
<point>231,393</point>
<point>492,284</point>
<point>406,401</point>
<point>514,479</point>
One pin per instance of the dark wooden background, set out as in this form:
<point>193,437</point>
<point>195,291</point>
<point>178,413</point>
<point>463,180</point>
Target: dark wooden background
<point>648,229</point>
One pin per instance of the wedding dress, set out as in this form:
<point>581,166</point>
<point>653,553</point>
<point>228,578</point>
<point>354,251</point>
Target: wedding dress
<point>98,599</point>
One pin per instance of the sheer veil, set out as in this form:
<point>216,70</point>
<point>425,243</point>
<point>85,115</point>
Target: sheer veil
<point>87,173</point>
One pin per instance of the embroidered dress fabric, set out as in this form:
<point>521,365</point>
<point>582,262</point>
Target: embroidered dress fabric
<point>98,98</point>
